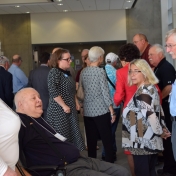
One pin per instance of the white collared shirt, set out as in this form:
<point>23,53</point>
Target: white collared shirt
<point>173,100</point>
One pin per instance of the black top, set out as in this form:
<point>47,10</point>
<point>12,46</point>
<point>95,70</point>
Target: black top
<point>65,71</point>
<point>36,150</point>
<point>38,80</point>
<point>165,72</point>
<point>6,87</point>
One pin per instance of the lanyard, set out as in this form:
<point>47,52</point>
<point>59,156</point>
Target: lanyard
<point>57,135</point>
<point>43,126</point>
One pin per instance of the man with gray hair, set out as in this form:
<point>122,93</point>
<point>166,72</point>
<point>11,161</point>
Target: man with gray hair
<point>6,87</point>
<point>165,72</point>
<point>171,49</point>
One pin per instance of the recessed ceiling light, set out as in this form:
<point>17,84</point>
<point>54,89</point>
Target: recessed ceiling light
<point>27,12</point>
<point>17,6</point>
<point>59,0</point>
<point>59,4</point>
<point>126,7</point>
<point>65,10</point>
<point>128,1</point>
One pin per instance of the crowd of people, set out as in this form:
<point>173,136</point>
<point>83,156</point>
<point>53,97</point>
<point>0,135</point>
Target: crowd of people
<point>142,91</point>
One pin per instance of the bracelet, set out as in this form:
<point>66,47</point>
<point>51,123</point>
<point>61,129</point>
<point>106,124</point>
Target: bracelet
<point>113,114</point>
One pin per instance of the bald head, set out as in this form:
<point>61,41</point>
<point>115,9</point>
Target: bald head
<point>16,59</point>
<point>55,49</point>
<point>141,41</point>
<point>28,102</point>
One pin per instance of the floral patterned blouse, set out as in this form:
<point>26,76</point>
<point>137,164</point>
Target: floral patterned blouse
<point>143,121</point>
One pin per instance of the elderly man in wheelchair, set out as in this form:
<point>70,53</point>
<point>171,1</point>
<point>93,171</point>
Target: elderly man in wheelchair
<point>43,146</point>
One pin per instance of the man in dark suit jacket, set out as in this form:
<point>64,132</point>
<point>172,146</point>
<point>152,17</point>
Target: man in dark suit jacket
<point>38,80</point>
<point>6,86</point>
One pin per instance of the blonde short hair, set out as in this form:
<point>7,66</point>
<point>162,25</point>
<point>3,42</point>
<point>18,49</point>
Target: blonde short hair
<point>146,70</point>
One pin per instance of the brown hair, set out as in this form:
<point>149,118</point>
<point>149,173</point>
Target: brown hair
<point>57,55</point>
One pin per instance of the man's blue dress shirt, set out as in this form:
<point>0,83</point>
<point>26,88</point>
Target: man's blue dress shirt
<point>173,100</point>
<point>19,78</point>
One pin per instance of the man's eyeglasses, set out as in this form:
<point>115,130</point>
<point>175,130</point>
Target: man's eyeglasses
<point>68,59</point>
<point>170,46</point>
<point>135,72</point>
<point>135,42</point>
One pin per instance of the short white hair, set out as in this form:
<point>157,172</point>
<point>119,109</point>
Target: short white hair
<point>169,33</point>
<point>95,53</point>
<point>3,60</point>
<point>159,49</point>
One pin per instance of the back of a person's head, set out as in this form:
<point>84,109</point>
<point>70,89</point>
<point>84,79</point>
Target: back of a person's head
<point>94,53</point>
<point>111,58</point>
<point>57,55</point>
<point>128,52</point>
<point>16,58</point>
<point>45,56</point>
<point>3,60</point>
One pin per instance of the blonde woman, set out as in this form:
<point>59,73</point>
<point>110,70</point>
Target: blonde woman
<point>143,119</point>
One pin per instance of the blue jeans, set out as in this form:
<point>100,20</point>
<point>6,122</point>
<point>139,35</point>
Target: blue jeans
<point>113,129</point>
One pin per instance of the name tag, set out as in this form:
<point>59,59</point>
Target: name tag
<point>60,137</point>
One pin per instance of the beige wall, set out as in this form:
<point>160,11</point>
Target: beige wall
<point>15,36</point>
<point>78,27</point>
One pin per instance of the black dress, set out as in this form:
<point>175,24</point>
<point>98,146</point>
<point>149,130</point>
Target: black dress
<point>60,83</point>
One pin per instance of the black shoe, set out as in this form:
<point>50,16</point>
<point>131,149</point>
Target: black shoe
<point>161,173</point>
<point>114,158</point>
<point>103,158</point>
<point>167,174</point>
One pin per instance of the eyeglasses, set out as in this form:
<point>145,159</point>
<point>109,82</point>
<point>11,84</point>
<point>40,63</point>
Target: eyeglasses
<point>68,59</point>
<point>135,72</point>
<point>135,42</point>
<point>170,45</point>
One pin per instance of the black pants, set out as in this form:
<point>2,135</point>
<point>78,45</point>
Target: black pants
<point>169,161</point>
<point>95,127</point>
<point>144,165</point>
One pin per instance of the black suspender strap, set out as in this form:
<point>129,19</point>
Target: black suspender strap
<point>53,147</point>
<point>109,79</point>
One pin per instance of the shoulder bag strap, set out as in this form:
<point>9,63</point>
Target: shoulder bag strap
<point>109,79</point>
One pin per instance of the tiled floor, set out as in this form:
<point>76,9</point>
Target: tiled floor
<point>121,157</point>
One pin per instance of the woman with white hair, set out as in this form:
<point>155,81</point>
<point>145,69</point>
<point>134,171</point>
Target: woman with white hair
<point>143,120</point>
<point>97,104</point>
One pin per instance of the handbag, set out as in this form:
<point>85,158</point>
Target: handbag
<point>80,91</point>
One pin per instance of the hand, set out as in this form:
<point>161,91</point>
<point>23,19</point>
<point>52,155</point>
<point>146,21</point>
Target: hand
<point>78,107</point>
<point>165,133</point>
<point>10,172</point>
<point>113,117</point>
<point>66,109</point>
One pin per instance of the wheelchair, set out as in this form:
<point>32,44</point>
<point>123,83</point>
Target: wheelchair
<point>37,170</point>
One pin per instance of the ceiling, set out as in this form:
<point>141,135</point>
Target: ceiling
<point>49,6</point>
